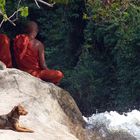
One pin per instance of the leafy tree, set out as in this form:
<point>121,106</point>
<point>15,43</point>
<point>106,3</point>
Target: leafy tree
<point>95,43</point>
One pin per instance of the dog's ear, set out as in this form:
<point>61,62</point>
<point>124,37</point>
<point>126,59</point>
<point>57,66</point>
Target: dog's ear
<point>15,109</point>
<point>19,106</point>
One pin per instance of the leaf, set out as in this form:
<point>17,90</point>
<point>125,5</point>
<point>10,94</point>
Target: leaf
<point>24,11</point>
<point>85,16</point>
<point>2,3</point>
<point>2,6</point>
<point>5,17</point>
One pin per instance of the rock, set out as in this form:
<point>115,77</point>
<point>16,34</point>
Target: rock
<point>103,134</point>
<point>53,114</point>
<point>2,66</point>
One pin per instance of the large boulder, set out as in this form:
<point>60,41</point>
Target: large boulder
<point>53,114</point>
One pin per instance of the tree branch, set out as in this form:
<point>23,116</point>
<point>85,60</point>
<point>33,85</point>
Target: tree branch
<point>18,9</point>
<point>46,3</point>
<point>1,23</point>
<point>37,3</point>
<point>9,18</point>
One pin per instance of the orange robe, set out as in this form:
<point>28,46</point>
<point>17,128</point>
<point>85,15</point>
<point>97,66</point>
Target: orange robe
<point>27,59</point>
<point>5,54</point>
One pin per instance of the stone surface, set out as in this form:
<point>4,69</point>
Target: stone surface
<point>53,114</point>
<point>103,134</point>
<point>2,66</point>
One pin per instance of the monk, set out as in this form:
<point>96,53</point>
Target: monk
<point>5,54</point>
<point>30,57</point>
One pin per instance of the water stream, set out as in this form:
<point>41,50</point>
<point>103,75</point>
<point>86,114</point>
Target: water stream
<point>114,126</point>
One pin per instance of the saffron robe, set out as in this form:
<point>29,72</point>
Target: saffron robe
<point>5,54</point>
<point>27,59</point>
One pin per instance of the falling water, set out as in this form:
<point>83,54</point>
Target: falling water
<point>114,126</point>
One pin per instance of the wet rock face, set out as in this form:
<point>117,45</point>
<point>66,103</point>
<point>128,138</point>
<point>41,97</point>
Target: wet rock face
<point>53,114</point>
<point>104,134</point>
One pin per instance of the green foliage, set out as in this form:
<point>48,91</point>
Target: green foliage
<point>106,76</point>
<point>24,11</point>
<point>10,9</point>
<point>112,40</point>
<point>5,7</point>
<point>20,5</point>
<point>97,47</point>
<point>2,6</point>
<point>59,31</point>
<point>62,1</point>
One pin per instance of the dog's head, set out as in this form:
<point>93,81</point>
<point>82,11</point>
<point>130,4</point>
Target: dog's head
<point>20,110</point>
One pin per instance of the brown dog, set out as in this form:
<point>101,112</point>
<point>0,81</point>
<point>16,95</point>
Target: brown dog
<point>11,120</point>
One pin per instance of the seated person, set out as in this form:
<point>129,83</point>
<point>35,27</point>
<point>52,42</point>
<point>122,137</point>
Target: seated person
<point>5,54</point>
<point>30,57</point>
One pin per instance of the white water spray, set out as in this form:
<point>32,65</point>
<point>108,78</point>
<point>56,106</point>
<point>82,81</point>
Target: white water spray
<point>110,123</point>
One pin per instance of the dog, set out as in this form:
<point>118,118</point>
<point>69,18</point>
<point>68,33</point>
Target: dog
<point>11,120</point>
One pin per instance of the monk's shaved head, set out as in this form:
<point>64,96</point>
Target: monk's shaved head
<point>31,26</point>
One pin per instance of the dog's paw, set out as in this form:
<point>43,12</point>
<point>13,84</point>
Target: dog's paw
<point>31,131</point>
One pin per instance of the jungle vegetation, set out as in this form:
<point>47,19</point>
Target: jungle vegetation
<point>96,43</point>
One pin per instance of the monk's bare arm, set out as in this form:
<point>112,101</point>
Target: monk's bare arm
<point>42,56</point>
